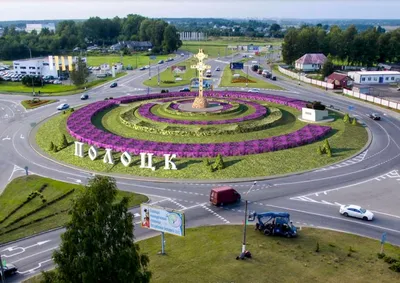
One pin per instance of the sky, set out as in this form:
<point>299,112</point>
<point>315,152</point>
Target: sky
<point>301,9</point>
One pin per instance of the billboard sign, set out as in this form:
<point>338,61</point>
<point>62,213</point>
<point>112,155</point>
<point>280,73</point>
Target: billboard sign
<point>178,69</point>
<point>253,48</point>
<point>236,66</point>
<point>162,219</point>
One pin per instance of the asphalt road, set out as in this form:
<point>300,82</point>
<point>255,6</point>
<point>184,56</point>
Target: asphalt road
<point>312,198</point>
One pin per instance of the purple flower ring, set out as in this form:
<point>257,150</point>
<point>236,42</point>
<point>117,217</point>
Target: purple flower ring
<point>81,128</point>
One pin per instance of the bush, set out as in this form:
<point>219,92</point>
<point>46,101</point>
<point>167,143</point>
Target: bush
<point>206,162</point>
<point>64,142</point>
<point>51,146</point>
<point>390,260</point>
<point>381,255</point>
<point>354,122</point>
<point>317,248</point>
<point>72,110</point>
<point>319,151</point>
<point>346,118</point>
<point>395,267</point>
<point>219,163</point>
<point>64,112</point>
<point>55,149</point>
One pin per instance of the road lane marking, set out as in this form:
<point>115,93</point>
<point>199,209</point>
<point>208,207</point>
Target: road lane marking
<point>215,214</point>
<point>35,254</point>
<point>33,269</point>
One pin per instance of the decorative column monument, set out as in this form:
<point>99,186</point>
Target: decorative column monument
<point>200,101</point>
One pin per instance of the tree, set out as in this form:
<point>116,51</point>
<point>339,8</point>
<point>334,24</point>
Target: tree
<point>98,245</point>
<point>63,142</point>
<point>328,67</point>
<point>219,163</point>
<point>79,73</point>
<point>289,47</point>
<point>171,40</point>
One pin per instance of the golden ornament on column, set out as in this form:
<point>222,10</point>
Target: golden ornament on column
<point>200,101</point>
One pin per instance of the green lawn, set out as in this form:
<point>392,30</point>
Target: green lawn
<point>5,62</point>
<point>31,104</point>
<point>51,89</point>
<point>17,192</point>
<point>142,60</point>
<point>227,77</point>
<point>345,140</point>
<point>167,77</point>
<point>208,254</point>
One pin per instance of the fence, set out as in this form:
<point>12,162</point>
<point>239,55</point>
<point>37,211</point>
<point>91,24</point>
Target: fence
<point>373,99</point>
<point>303,78</point>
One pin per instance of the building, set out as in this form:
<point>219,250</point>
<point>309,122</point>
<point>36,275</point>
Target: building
<point>339,80</point>
<point>389,66</point>
<point>375,77</point>
<point>41,66</point>
<point>310,62</point>
<point>192,36</point>
<point>39,27</point>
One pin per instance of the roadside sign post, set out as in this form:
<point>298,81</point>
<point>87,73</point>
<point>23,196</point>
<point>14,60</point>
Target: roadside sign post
<point>247,76</point>
<point>162,243</point>
<point>26,170</point>
<point>245,218</point>
<point>383,240</point>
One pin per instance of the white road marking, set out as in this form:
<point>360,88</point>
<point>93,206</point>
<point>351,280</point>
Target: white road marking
<point>7,138</point>
<point>35,254</point>
<point>22,137</point>
<point>33,269</point>
<point>216,214</point>
<point>16,168</point>
<point>75,180</point>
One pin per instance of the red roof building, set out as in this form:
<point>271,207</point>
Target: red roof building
<point>310,62</point>
<point>339,80</point>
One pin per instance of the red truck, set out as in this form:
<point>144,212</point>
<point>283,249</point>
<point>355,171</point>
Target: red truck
<point>224,195</point>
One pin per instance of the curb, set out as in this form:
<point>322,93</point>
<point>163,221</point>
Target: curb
<point>40,152</point>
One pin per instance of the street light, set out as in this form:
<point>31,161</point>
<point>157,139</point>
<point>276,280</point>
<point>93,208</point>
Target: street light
<point>245,218</point>
<point>33,85</point>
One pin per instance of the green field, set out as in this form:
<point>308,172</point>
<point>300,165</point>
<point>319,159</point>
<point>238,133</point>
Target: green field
<point>167,77</point>
<point>32,104</point>
<point>142,60</point>
<point>227,77</point>
<point>50,216</point>
<point>51,89</point>
<point>345,141</point>
<point>5,62</point>
<point>207,254</point>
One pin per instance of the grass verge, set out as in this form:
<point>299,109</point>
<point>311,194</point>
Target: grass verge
<point>207,254</point>
<point>53,90</point>
<point>167,77</point>
<point>254,82</point>
<point>32,104</point>
<point>345,141</point>
<point>54,214</point>
<point>141,58</point>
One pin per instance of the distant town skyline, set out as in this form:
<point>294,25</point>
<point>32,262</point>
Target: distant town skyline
<point>298,9</point>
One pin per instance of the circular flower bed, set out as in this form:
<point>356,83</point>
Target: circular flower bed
<point>80,127</point>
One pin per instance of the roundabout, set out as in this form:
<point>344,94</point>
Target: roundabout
<point>248,130</point>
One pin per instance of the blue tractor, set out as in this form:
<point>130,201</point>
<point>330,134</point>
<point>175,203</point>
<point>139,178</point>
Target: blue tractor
<point>274,223</point>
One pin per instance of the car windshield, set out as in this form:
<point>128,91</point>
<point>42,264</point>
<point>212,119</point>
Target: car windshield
<point>362,210</point>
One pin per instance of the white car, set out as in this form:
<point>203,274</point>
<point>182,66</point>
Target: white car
<point>63,106</point>
<point>356,211</point>
<point>254,90</point>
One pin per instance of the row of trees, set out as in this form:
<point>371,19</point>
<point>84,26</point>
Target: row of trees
<point>351,46</point>
<point>70,34</point>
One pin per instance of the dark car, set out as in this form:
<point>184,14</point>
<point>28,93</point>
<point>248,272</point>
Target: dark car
<point>273,78</point>
<point>142,68</point>
<point>9,269</point>
<point>374,116</point>
<point>114,84</point>
<point>84,96</point>
<point>184,90</point>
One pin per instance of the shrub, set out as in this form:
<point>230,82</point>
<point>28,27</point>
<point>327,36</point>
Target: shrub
<point>72,110</point>
<point>317,248</point>
<point>390,260</point>
<point>51,147</point>
<point>219,163</point>
<point>64,142</point>
<point>346,118</point>
<point>354,122</point>
<point>395,267</point>
<point>55,149</point>
<point>319,151</point>
<point>381,255</point>
<point>64,112</point>
<point>206,162</point>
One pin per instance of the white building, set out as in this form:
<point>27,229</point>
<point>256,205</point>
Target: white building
<point>39,27</point>
<point>375,77</point>
<point>193,36</point>
<point>41,66</point>
<point>310,62</point>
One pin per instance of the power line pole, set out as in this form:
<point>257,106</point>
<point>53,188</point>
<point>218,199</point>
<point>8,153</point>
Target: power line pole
<point>245,218</point>
<point>158,75</point>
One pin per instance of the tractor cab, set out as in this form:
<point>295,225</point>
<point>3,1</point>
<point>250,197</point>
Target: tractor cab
<point>274,223</point>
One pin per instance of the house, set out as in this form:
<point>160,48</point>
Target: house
<point>310,62</point>
<point>375,77</point>
<point>117,47</point>
<point>139,45</point>
<point>339,80</point>
<point>389,66</point>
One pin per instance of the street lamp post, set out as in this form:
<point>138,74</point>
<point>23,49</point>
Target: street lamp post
<point>158,75</point>
<point>247,76</point>
<point>33,85</point>
<point>245,218</point>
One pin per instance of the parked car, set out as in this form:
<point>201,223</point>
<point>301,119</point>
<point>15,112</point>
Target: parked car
<point>114,84</point>
<point>161,62</point>
<point>142,68</point>
<point>84,96</point>
<point>259,71</point>
<point>182,54</point>
<point>186,89</point>
<point>356,211</point>
<point>57,82</point>
<point>9,269</point>
<point>224,195</point>
<point>273,78</point>
<point>374,116</point>
<point>254,90</point>
<point>218,69</point>
<point>63,106</point>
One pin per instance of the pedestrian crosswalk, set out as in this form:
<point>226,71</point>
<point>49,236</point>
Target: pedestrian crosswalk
<point>349,162</point>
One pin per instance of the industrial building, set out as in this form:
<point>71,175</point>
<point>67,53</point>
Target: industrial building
<point>38,27</point>
<point>375,77</point>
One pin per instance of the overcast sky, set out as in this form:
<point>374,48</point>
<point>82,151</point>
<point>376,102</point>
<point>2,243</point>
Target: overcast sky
<point>310,9</point>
